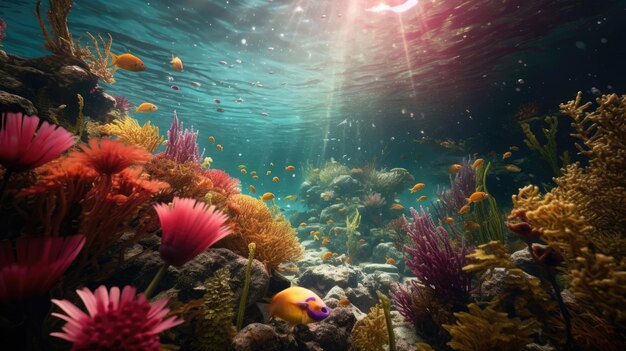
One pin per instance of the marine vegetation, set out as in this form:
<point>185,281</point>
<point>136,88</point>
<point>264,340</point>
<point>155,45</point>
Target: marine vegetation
<point>352,224</point>
<point>486,213</point>
<point>208,321</point>
<point>182,143</point>
<point>128,130</point>
<point>370,333</point>
<point>386,304</point>
<point>548,151</point>
<point>252,221</point>
<point>246,286</point>
<point>329,172</point>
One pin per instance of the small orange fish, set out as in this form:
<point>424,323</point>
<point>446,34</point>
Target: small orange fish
<point>252,189</point>
<point>268,172</point>
<point>290,168</point>
<point>211,139</point>
<point>325,241</point>
<point>177,63</point>
<point>327,255</point>
<point>390,261</point>
<point>316,238</point>
<point>397,207</point>
<point>272,164</point>
<point>506,155</point>
<point>343,302</point>
<point>243,170</point>
<point>303,225</point>
<point>267,196</point>
<point>513,148</point>
<point>477,197</point>
<point>317,232</point>
<point>422,198</point>
<point>253,173</point>
<point>479,162</point>
<point>146,107</point>
<point>275,179</point>
<point>362,241</point>
<point>128,62</point>
<point>512,168</point>
<point>255,177</point>
<point>417,187</point>
<point>219,147</point>
<point>280,219</point>
<point>470,225</point>
<point>464,209</point>
<point>330,222</point>
<point>455,168</point>
<point>449,220</point>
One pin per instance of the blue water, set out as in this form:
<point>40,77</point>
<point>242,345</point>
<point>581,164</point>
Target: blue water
<point>443,70</point>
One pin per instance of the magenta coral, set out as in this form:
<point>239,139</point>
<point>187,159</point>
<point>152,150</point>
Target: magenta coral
<point>24,147</point>
<point>461,187</point>
<point>221,180</point>
<point>121,103</point>
<point>182,145</point>
<point>434,260</point>
<point>189,227</point>
<point>37,265</point>
<point>114,320</point>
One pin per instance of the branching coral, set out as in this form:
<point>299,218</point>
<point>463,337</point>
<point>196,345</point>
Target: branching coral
<point>185,179</point>
<point>434,260</point>
<point>549,151</point>
<point>276,241</point>
<point>461,187</point>
<point>182,145</point>
<point>370,333</point>
<point>488,329</point>
<point>129,131</point>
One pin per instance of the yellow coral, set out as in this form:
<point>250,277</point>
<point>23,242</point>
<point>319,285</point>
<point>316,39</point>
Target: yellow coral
<point>487,256</point>
<point>276,241</point>
<point>370,333</point>
<point>129,131</point>
<point>487,329</point>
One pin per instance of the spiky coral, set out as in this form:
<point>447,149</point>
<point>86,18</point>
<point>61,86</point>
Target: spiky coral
<point>182,145</point>
<point>370,333</point>
<point>185,179</point>
<point>488,329</point>
<point>129,131</point>
<point>276,241</point>
<point>222,182</point>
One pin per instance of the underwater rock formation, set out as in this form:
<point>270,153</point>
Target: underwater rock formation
<point>49,86</point>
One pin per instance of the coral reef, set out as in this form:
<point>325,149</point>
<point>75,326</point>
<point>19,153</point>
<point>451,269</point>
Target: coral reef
<point>182,143</point>
<point>128,130</point>
<point>185,179</point>
<point>275,240</point>
<point>370,333</point>
<point>461,187</point>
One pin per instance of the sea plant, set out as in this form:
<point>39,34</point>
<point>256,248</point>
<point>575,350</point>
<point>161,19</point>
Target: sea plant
<point>128,130</point>
<point>487,213</point>
<point>246,287</point>
<point>549,150</point>
<point>385,302</point>
<point>462,185</point>
<point>182,145</point>
<point>370,333</point>
<point>352,243</point>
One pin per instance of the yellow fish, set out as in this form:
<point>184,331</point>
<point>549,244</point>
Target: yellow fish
<point>290,168</point>
<point>470,225</point>
<point>417,187</point>
<point>325,241</point>
<point>128,62</point>
<point>455,168</point>
<point>146,107</point>
<point>477,197</point>
<point>291,197</point>
<point>207,162</point>
<point>315,237</point>
<point>219,147</point>
<point>422,198</point>
<point>243,170</point>
<point>253,173</point>
<point>397,207</point>
<point>252,189</point>
<point>255,177</point>
<point>330,222</point>
<point>464,209</point>
<point>177,63</point>
<point>267,196</point>
<point>327,255</point>
<point>271,163</point>
<point>479,162</point>
<point>512,168</point>
<point>513,148</point>
<point>211,139</point>
<point>241,166</point>
<point>298,305</point>
<point>506,155</point>
<point>303,225</point>
<point>449,220</point>
<point>276,179</point>
<point>268,172</point>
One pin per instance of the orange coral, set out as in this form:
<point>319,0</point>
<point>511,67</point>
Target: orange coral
<point>276,241</point>
<point>185,179</point>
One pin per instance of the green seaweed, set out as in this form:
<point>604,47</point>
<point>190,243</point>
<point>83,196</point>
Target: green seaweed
<point>386,304</point>
<point>549,150</point>
<point>352,224</point>
<point>486,213</point>
<point>246,287</point>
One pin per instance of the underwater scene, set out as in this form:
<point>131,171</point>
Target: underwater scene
<point>313,175</point>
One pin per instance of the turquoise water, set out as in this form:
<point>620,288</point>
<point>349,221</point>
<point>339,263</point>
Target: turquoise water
<point>321,79</point>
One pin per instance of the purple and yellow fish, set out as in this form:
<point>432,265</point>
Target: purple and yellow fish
<point>298,305</point>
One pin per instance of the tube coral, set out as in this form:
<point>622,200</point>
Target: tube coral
<point>115,320</point>
<point>37,265</point>
<point>182,143</point>
<point>434,260</point>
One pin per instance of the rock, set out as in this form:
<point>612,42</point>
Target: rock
<point>383,251</point>
<point>278,283</point>
<point>379,267</point>
<point>493,284</point>
<point>405,334</point>
<point>333,212</point>
<point>344,184</point>
<point>335,292</point>
<point>362,297</point>
<point>342,317</point>
<point>262,337</point>
<point>323,277</point>
<point>381,281</point>
<point>14,103</point>
<point>323,336</point>
<point>524,260</point>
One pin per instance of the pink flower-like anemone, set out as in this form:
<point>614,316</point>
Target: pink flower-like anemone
<point>24,147</point>
<point>114,320</point>
<point>40,262</point>
<point>189,227</point>
<point>108,156</point>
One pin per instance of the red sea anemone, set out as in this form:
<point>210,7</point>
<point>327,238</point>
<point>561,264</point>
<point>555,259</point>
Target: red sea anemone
<point>24,147</point>
<point>108,156</point>
<point>40,262</point>
<point>115,321</point>
<point>222,180</point>
<point>189,227</point>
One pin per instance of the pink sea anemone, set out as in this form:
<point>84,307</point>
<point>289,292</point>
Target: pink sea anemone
<point>24,147</point>
<point>40,262</point>
<point>108,156</point>
<point>115,320</point>
<point>189,227</point>
<point>221,180</point>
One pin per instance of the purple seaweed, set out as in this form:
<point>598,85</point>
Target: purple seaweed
<point>3,26</point>
<point>434,260</point>
<point>461,187</point>
<point>121,103</point>
<point>182,145</point>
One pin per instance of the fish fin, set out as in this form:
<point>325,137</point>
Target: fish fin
<point>114,59</point>
<point>469,201</point>
<point>137,109</point>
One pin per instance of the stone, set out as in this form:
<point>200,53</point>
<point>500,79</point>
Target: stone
<point>335,292</point>
<point>362,297</point>
<point>345,185</point>
<point>323,336</point>
<point>14,103</point>
<point>383,251</point>
<point>262,337</point>
<point>379,267</point>
<point>493,284</point>
<point>323,277</point>
<point>405,334</point>
<point>381,281</point>
<point>333,212</point>
<point>524,260</point>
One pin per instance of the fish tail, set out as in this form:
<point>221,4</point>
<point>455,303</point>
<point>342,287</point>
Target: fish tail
<point>469,201</point>
<point>114,59</point>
